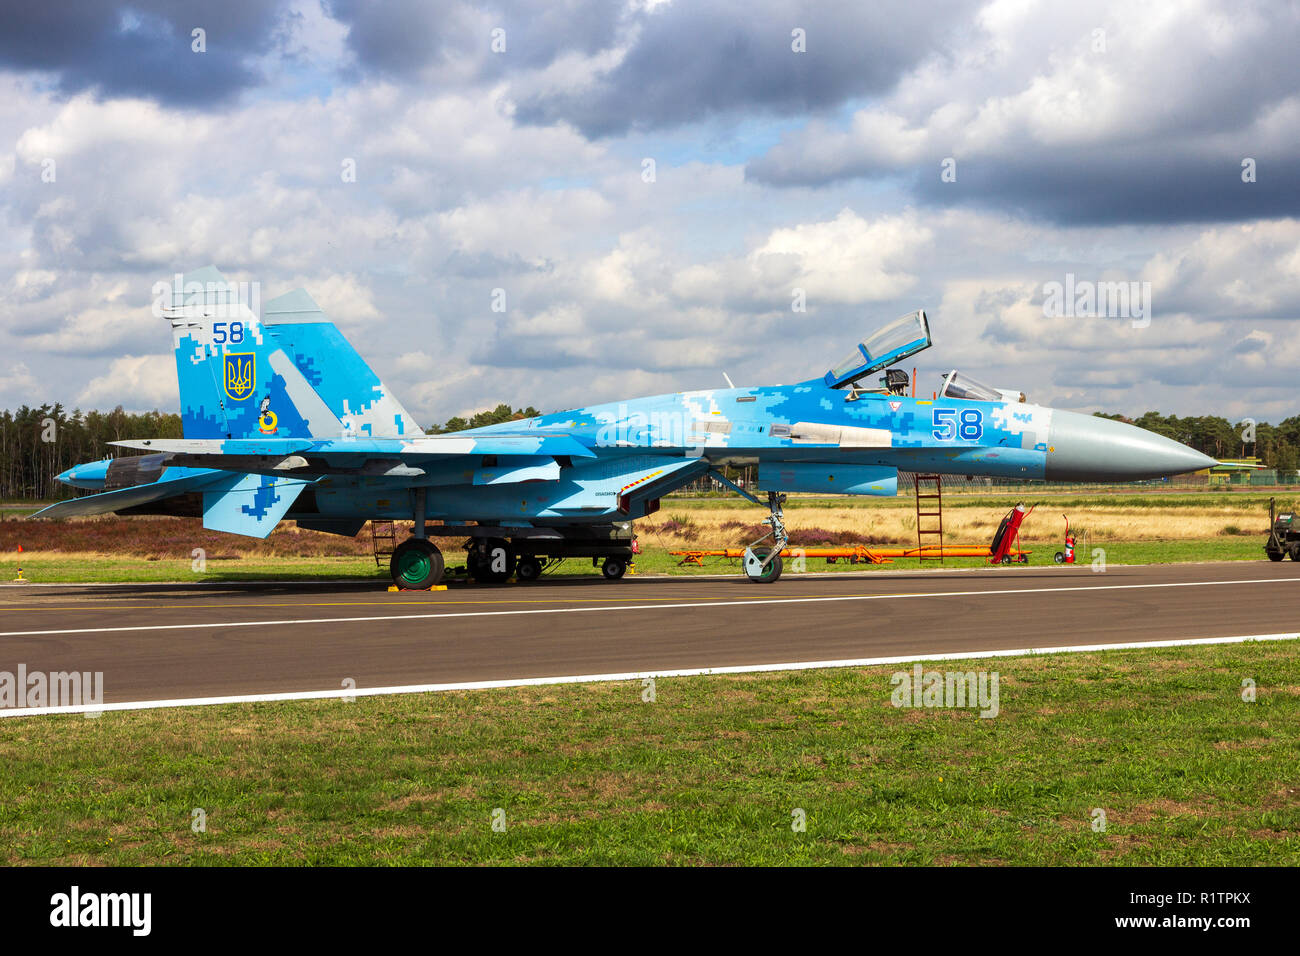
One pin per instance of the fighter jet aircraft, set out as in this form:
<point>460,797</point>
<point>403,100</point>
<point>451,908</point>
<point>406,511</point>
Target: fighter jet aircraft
<point>283,419</point>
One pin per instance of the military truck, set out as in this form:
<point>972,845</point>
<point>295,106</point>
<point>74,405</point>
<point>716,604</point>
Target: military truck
<point>1283,534</point>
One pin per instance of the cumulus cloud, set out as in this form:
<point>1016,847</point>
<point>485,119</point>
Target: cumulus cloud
<point>1120,113</point>
<point>522,173</point>
<point>150,380</point>
<point>145,47</point>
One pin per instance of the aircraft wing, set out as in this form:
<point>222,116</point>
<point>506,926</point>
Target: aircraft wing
<point>392,456</point>
<point>106,501</point>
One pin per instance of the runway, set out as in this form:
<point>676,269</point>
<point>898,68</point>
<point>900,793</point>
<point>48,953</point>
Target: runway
<point>169,642</point>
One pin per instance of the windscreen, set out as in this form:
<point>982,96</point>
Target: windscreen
<point>957,385</point>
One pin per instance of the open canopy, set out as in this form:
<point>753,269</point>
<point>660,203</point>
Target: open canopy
<point>893,343</point>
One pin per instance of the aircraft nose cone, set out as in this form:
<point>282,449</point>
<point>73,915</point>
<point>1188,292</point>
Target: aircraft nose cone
<point>1087,448</point>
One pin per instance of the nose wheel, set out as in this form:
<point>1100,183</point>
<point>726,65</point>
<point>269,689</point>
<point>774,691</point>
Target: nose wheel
<point>762,566</point>
<point>763,563</point>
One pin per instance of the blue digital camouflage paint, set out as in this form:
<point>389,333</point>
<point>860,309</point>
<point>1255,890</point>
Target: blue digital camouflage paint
<point>282,418</point>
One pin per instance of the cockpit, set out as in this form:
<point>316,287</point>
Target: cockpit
<point>893,343</point>
<point>890,345</point>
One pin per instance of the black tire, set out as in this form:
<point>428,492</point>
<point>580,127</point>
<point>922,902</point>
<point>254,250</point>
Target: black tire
<point>773,570</point>
<point>1295,551</point>
<point>613,568</point>
<point>1059,557</point>
<point>1023,559</point>
<point>1274,555</point>
<point>528,568</point>
<point>1006,559</point>
<point>491,561</point>
<point>416,565</point>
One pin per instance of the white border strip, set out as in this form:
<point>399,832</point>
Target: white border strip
<point>630,675</point>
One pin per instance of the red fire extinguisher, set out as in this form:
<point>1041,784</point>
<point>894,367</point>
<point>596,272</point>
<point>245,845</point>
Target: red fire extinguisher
<point>1066,556</point>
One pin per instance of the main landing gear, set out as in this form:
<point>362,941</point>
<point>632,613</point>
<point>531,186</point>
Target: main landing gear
<point>416,565</point>
<point>493,561</point>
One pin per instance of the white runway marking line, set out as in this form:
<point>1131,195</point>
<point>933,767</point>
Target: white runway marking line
<point>630,675</point>
<point>757,602</point>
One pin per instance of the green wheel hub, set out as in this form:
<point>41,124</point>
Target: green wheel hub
<point>413,566</point>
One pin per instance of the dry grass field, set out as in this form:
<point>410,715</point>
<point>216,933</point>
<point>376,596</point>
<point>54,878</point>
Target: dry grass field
<point>1153,526</point>
<point>726,527</point>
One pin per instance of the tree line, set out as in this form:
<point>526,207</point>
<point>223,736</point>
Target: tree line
<point>36,444</point>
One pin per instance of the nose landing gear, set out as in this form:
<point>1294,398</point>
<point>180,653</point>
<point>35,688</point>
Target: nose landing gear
<point>762,563</point>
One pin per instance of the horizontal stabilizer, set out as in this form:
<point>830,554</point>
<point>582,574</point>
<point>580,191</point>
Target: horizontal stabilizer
<point>252,505</point>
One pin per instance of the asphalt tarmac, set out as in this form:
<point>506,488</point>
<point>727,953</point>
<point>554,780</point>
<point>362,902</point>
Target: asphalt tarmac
<point>167,642</point>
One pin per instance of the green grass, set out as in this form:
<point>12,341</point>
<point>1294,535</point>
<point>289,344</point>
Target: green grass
<point>127,569</point>
<point>1186,772</point>
<point>1246,548</point>
<point>654,560</point>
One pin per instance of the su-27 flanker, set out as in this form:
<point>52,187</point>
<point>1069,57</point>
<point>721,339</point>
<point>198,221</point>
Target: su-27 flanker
<point>283,419</point>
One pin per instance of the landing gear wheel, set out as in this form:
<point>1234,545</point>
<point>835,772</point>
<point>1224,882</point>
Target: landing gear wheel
<point>528,568</point>
<point>613,568</point>
<point>754,568</point>
<point>1059,557</point>
<point>416,565</point>
<point>1295,551</point>
<point>1006,559</point>
<point>1023,559</point>
<point>491,561</point>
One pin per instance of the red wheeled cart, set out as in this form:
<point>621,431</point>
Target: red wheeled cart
<point>1008,533</point>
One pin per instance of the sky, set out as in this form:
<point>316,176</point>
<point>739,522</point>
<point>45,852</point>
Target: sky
<point>568,202</point>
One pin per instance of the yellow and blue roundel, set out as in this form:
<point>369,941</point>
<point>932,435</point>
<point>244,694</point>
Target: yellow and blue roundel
<point>240,374</point>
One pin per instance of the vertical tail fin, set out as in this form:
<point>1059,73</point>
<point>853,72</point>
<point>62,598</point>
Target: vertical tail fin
<point>240,378</point>
<point>340,376</point>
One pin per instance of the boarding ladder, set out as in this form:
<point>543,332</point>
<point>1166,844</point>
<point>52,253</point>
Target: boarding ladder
<point>384,536</point>
<point>929,517</point>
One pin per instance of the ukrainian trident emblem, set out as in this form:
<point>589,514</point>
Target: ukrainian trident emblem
<point>239,375</point>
